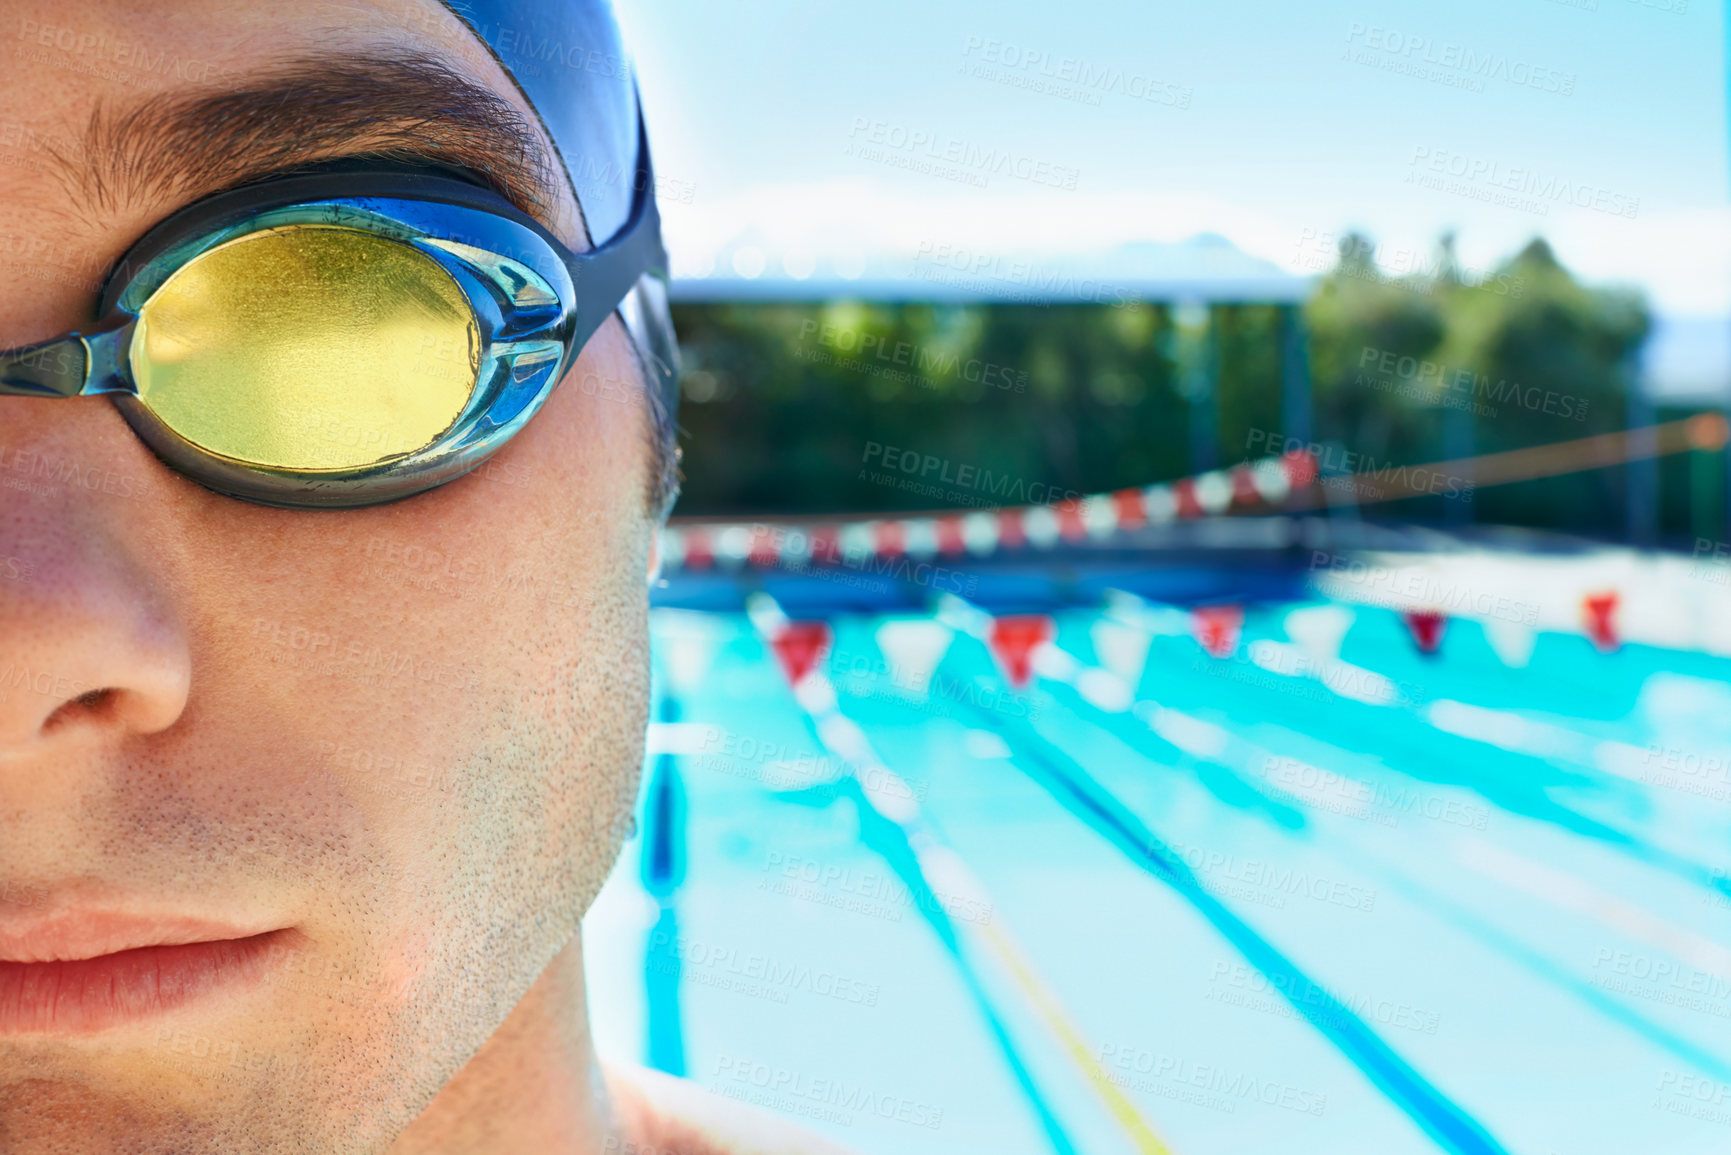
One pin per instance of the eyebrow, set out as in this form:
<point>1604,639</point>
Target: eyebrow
<point>400,106</point>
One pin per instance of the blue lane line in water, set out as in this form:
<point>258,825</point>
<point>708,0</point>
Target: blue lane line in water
<point>663,872</point>
<point>1440,1117</point>
<point>890,842</point>
<point>1512,781</point>
<point>664,1036</point>
<point>1470,924</point>
<point>1550,971</point>
<point>1215,775</point>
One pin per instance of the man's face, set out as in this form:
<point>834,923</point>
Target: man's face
<point>405,737</point>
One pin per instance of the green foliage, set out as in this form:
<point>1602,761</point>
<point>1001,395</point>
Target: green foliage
<point>1422,367</point>
<point>785,402</point>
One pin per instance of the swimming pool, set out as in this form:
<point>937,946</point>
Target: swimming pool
<point>1264,878</point>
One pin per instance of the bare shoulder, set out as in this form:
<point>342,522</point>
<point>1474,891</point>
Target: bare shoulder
<point>662,1115</point>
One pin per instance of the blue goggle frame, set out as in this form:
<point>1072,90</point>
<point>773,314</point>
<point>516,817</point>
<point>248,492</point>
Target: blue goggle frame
<point>536,302</point>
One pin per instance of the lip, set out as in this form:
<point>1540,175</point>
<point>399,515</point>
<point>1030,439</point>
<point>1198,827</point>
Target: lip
<point>72,935</point>
<point>83,972</point>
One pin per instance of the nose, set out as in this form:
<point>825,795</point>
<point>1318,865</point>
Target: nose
<point>88,648</point>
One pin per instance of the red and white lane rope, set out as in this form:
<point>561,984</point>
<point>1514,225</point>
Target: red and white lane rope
<point>1261,485</point>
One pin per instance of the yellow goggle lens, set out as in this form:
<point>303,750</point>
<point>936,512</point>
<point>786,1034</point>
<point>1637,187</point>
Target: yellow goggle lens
<point>310,348</point>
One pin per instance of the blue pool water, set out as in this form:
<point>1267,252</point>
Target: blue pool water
<point>1283,901</point>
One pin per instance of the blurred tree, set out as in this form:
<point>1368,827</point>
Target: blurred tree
<point>1436,364</point>
<point>788,407</point>
<point>1553,363</point>
<point>797,407</point>
<point>1361,320</point>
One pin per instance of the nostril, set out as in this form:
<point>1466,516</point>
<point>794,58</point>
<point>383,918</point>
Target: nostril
<point>92,699</point>
<point>90,705</point>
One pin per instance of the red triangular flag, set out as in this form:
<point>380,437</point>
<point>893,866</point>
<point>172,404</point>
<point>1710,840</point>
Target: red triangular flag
<point>1427,628</point>
<point>1217,628</point>
<point>1014,640</point>
<point>800,646</point>
<point>1600,611</point>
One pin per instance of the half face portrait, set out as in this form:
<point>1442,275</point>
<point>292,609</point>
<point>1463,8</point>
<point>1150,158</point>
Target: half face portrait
<point>331,473</point>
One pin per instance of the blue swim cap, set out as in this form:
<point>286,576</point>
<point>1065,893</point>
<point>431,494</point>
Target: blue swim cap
<point>569,61</point>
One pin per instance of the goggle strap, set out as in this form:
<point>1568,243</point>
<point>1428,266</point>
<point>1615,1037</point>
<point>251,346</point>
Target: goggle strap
<point>604,275</point>
<point>56,368</point>
<point>72,365</point>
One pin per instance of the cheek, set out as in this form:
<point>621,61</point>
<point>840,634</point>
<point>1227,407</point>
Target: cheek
<point>463,673</point>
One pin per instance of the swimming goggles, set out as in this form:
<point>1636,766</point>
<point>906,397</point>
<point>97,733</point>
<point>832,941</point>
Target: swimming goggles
<point>349,338</point>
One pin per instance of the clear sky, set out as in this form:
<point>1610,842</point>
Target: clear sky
<point>824,135</point>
